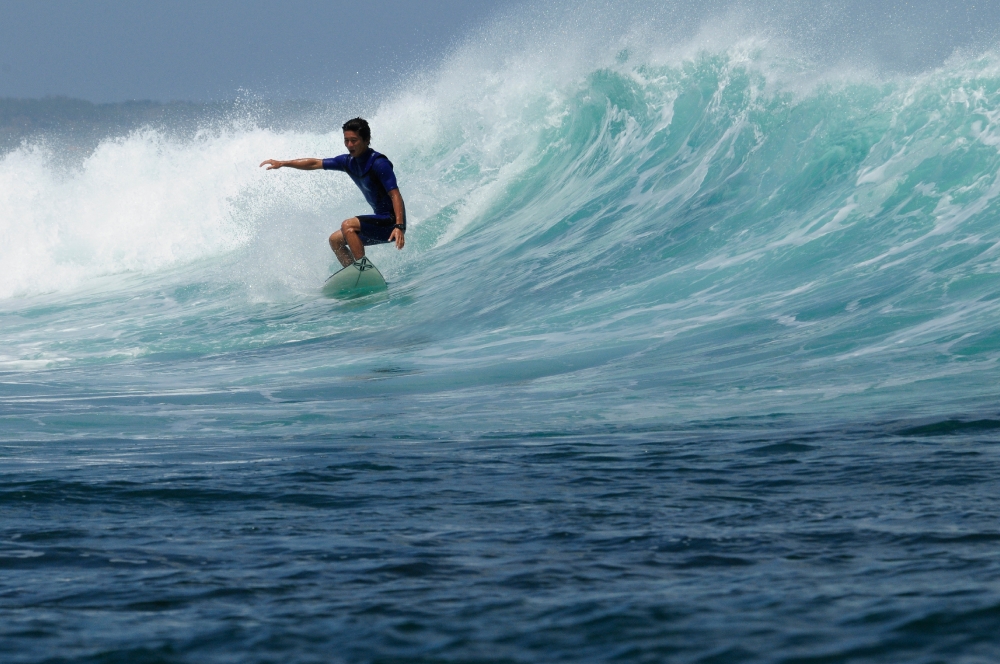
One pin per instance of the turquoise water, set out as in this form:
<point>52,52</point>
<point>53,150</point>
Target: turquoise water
<point>689,357</point>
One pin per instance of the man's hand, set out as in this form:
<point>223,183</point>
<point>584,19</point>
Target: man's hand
<point>272,164</point>
<point>397,237</point>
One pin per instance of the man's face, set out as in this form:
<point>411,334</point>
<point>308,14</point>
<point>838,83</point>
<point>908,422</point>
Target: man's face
<point>355,145</point>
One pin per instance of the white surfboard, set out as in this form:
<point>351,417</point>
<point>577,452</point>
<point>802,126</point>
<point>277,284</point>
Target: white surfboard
<point>356,280</point>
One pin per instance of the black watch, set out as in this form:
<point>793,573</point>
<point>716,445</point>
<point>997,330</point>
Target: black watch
<point>401,227</point>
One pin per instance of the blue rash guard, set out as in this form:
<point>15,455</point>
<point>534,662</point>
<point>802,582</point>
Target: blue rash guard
<point>373,174</point>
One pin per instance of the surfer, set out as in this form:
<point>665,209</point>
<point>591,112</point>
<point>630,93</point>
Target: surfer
<point>373,174</point>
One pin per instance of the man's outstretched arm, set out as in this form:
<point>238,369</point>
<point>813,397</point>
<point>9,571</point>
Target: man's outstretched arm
<point>308,164</point>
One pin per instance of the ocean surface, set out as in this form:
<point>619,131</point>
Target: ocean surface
<point>691,356</point>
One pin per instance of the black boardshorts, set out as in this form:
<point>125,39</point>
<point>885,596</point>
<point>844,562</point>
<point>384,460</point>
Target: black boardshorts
<point>376,228</point>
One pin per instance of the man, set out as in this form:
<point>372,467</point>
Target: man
<point>373,174</point>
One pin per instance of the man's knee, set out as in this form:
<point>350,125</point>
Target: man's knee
<point>352,225</point>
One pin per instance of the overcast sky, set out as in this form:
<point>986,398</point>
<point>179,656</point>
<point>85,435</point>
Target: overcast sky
<point>201,50</point>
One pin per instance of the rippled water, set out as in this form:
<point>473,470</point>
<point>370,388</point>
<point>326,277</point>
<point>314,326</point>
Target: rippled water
<point>707,544</point>
<point>688,358</point>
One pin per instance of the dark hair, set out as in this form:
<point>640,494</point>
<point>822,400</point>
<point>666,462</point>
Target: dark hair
<point>360,127</point>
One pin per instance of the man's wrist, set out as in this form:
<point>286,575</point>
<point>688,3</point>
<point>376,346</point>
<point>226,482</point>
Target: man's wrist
<point>400,227</point>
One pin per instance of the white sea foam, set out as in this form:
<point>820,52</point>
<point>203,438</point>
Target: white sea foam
<point>136,204</point>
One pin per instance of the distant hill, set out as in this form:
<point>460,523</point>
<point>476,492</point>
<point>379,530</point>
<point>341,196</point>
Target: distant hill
<point>84,124</point>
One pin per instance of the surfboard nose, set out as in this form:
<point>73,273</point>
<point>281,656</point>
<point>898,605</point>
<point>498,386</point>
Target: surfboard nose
<point>358,279</point>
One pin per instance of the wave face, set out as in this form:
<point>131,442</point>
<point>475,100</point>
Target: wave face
<point>629,234</point>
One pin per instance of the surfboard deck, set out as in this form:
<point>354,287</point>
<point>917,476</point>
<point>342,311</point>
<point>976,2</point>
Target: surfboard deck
<point>358,279</point>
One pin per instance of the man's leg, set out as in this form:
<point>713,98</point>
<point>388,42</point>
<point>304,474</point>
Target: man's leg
<point>340,249</point>
<point>346,243</point>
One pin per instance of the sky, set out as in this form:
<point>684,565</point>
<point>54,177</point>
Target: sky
<point>325,50</point>
<point>203,50</point>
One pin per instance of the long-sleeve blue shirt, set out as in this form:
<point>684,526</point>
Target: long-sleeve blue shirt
<point>373,174</point>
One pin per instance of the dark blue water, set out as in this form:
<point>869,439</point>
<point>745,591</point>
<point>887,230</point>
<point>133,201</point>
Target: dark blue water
<point>733,542</point>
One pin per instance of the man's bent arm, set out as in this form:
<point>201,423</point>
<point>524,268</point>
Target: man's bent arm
<point>308,164</point>
<point>400,211</point>
<point>398,208</point>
